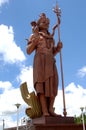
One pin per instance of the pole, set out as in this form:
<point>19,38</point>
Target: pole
<point>3,124</point>
<point>58,14</point>
<point>82,108</point>
<point>17,105</point>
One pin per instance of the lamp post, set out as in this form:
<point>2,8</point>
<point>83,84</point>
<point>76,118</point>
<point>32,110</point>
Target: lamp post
<point>3,124</point>
<point>85,110</point>
<point>17,105</point>
<point>82,108</point>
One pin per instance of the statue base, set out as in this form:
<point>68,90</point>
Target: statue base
<point>53,123</point>
<point>53,120</point>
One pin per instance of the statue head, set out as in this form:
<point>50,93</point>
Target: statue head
<point>43,22</point>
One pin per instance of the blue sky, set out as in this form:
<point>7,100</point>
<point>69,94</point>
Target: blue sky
<point>16,65</point>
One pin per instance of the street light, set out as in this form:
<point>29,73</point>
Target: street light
<point>3,124</point>
<point>17,105</point>
<point>85,110</point>
<point>3,121</point>
<point>82,108</point>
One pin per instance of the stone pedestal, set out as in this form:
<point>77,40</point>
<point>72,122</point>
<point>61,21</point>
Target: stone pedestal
<point>53,123</point>
<point>53,120</point>
<point>59,127</point>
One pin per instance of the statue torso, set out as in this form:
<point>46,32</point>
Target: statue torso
<point>45,43</point>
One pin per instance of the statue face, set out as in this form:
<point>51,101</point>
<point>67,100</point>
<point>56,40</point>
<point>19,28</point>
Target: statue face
<point>43,22</point>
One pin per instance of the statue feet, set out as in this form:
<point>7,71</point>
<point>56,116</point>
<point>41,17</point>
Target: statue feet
<point>52,113</point>
<point>46,114</point>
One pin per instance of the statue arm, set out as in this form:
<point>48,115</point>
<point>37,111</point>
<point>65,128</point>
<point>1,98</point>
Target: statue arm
<point>53,29</point>
<point>55,26</point>
<point>57,48</point>
<point>31,45</point>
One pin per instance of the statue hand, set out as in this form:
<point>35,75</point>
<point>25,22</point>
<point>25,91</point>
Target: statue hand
<point>60,45</point>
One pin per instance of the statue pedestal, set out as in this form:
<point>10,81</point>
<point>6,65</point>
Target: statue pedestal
<point>53,120</point>
<point>53,123</point>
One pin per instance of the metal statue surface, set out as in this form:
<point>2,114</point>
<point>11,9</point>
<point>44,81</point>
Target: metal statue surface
<point>45,75</point>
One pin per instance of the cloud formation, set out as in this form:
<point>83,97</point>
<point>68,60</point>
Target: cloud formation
<point>8,98</point>
<point>3,2</point>
<point>82,72</point>
<point>26,75</point>
<point>75,97</point>
<point>9,51</point>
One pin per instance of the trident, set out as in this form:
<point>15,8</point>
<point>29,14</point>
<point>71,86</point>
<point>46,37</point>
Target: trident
<point>57,11</point>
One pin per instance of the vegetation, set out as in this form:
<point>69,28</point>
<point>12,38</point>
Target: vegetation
<point>78,119</point>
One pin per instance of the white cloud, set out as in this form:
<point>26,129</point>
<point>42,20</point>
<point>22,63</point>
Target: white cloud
<point>3,2</point>
<point>26,75</point>
<point>82,72</point>
<point>9,51</point>
<point>75,97</point>
<point>5,85</point>
<point>8,99</point>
